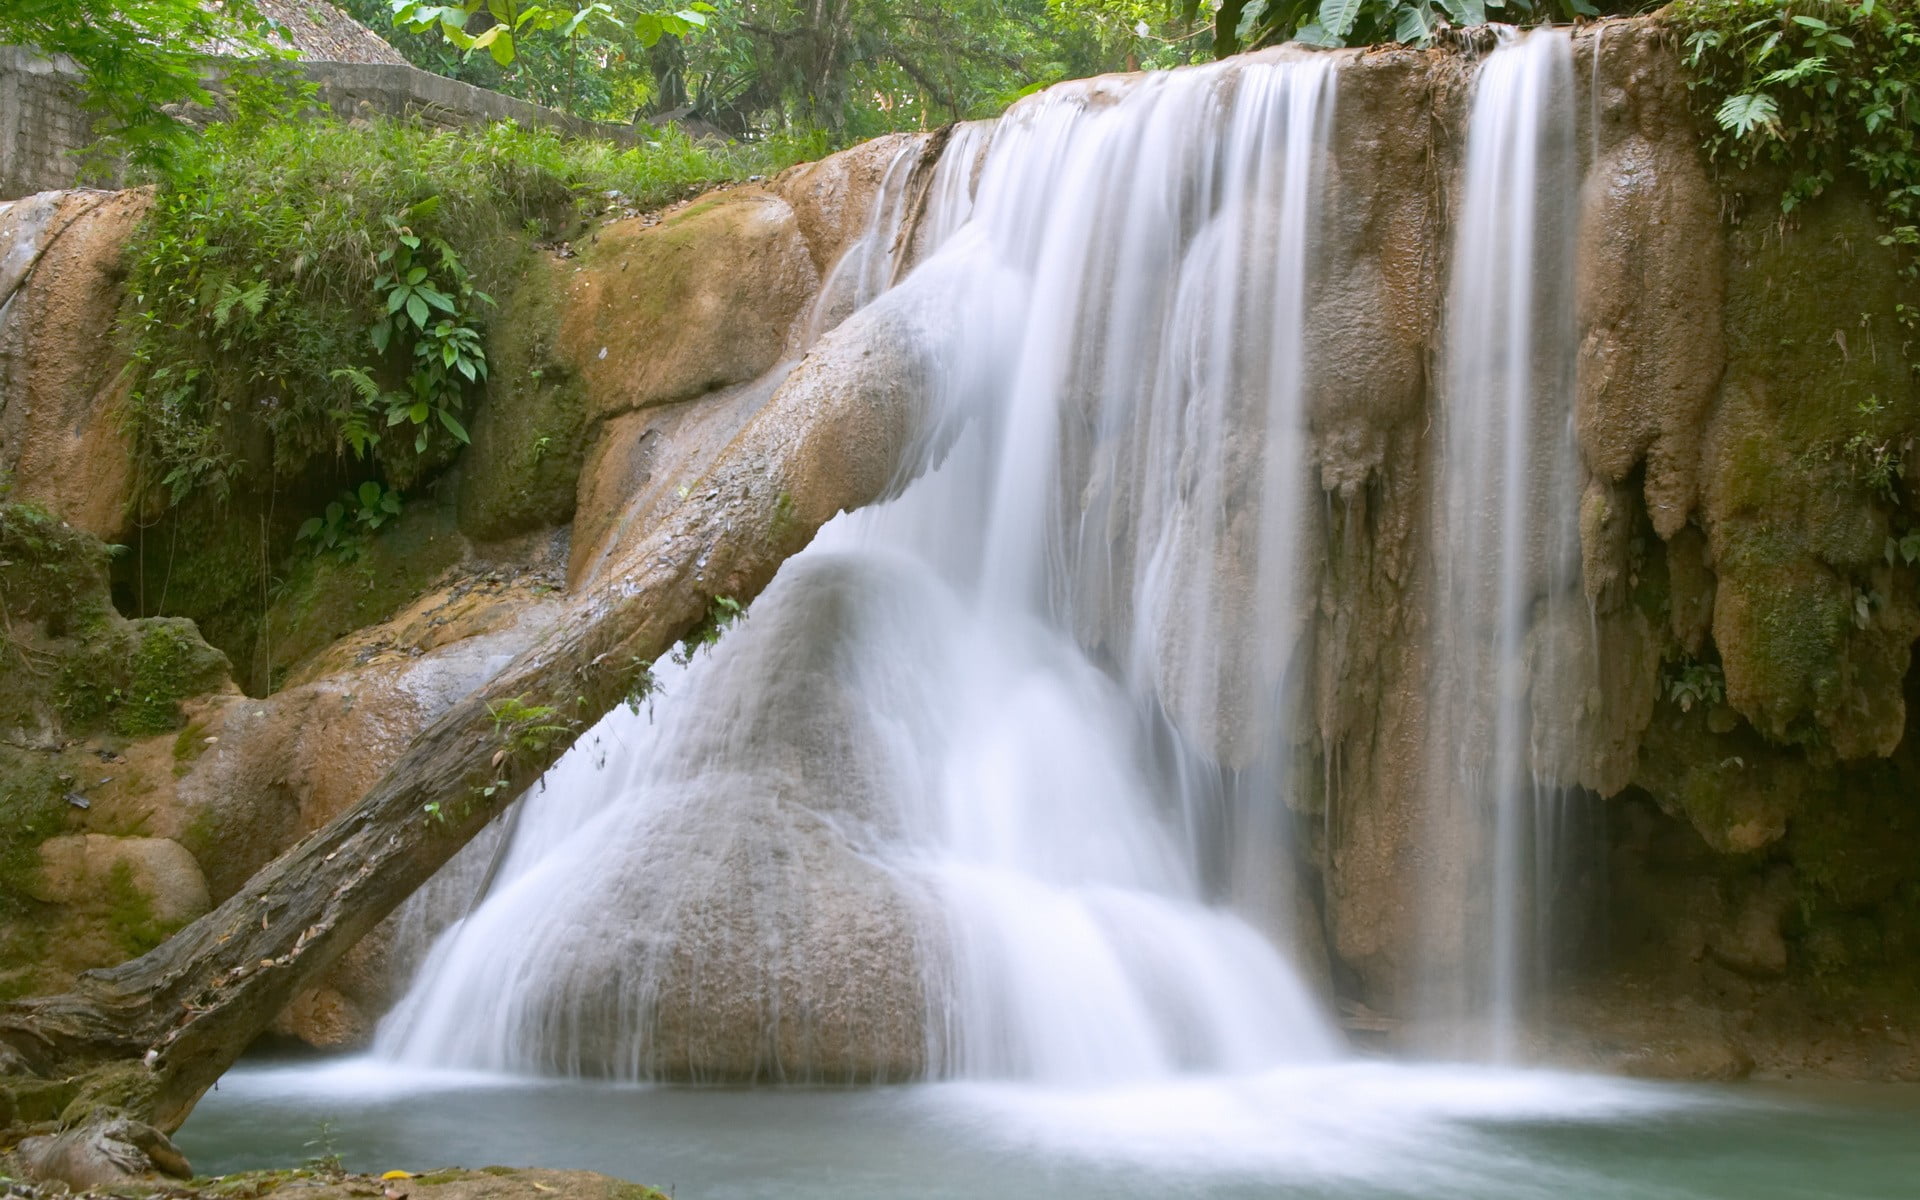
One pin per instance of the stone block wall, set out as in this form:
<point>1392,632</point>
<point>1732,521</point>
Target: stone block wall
<point>44,126</point>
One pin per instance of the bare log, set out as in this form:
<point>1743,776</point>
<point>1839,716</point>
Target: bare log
<point>144,1040</point>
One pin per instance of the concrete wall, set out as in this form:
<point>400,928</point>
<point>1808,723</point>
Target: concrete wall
<point>366,89</point>
<point>44,124</point>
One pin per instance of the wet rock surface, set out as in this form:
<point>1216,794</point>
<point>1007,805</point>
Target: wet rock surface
<point>61,380</point>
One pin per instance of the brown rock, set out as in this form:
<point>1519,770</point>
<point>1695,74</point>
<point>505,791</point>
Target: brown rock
<point>285,765</point>
<point>1651,284</point>
<point>833,199</point>
<point>1591,703</point>
<point>1751,943</point>
<point>703,300</point>
<point>642,460</point>
<point>78,868</point>
<point>61,381</point>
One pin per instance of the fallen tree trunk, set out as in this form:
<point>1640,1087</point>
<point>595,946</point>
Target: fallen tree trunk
<point>143,1041</point>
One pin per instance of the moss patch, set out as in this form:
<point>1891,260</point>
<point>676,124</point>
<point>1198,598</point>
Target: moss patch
<point>121,1087</point>
<point>130,677</point>
<point>326,597</point>
<point>32,809</point>
<point>129,914</point>
<point>523,469</point>
<point>1818,408</point>
<point>50,572</point>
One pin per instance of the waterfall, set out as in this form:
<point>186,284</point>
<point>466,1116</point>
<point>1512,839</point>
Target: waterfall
<point>990,781</point>
<point>1506,542</point>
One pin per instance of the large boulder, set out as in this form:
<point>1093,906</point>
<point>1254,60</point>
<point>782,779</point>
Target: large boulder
<point>703,299</point>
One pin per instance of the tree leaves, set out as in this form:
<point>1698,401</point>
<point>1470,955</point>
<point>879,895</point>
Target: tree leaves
<point>1744,113</point>
<point>1337,17</point>
<point>139,55</point>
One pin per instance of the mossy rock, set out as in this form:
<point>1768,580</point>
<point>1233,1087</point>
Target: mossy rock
<point>73,666</point>
<point>130,677</point>
<point>50,572</point>
<point>1817,408</point>
<point>523,469</point>
<point>1735,788</point>
<point>123,1087</point>
<point>210,560</point>
<point>328,596</point>
<point>33,808</point>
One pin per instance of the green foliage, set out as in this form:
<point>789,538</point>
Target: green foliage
<point>32,809</point>
<point>345,526</point>
<point>524,729</point>
<point>1904,550</point>
<point>137,56</point>
<point>757,69</point>
<point>504,24</point>
<point>325,1156</point>
<point>424,277</point>
<point>722,612</point>
<point>320,284</point>
<point>1365,22</point>
<point>644,686</point>
<point>1817,89</point>
<point>1689,682</point>
<point>129,913</point>
<point>524,732</point>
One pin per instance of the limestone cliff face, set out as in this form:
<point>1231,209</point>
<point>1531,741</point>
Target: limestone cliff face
<point>1736,725</point>
<point>1738,405</point>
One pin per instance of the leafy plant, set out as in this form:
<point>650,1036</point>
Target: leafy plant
<point>346,524</point>
<point>1692,682</point>
<point>1904,550</point>
<point>425,276</point>
<point>503,24</point>
<point>644,687</point>
<point>139,56</point>
<point>524,731</point>
<point>326,1154</point>
<point>722,612</point>
<point>1361,22</point>
<point>254,283</point>
<point>1817,88</point>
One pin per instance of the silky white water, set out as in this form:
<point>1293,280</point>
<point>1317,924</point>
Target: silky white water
<point>949,801</point>
<point>1506,504</point>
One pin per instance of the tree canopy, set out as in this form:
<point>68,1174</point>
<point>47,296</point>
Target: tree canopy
<point>138,56</point>
<point>848,67</point>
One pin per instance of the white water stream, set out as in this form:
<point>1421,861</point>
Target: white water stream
<point>1507,549</point>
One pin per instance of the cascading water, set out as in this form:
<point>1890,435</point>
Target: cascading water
<point>1506,539</point>
<point>982,786</point>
